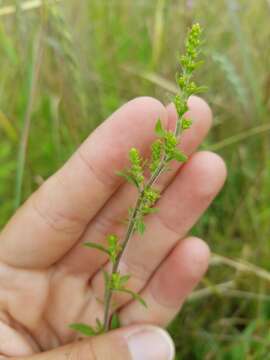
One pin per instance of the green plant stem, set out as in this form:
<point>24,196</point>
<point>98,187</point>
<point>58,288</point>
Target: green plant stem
<point>188,63</point>
<point>128,235</point>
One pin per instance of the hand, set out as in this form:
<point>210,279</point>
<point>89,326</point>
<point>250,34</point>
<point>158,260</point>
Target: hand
<point>48,280</point>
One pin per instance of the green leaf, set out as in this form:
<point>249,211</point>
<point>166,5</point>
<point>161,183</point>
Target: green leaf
<point>124,279</point>
<point>152,210</point>
<point>96,246</point>
<point>140,227</point>
<point>134,295</point>
<point>112,240</point>
<point>201,89</point>
<point>179,156</point>
<point>140,299</point>
<point>83,329</point>
<point>100,327</point>
<point>115,322</point>
<point>159,129</point>
<point>199,63</point>
<point>129,178</point>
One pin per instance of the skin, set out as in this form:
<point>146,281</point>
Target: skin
<point>48,280</point>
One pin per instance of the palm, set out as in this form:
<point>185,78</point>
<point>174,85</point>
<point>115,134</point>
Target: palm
<point>48,280</point>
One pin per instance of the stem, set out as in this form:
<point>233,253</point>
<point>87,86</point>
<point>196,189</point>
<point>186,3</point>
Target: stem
<point>130,230</point>
<point>188,64</point>
<point>129,233</point>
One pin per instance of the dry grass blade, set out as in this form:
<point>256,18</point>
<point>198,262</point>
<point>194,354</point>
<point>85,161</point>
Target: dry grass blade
<point>27,5</point>
<point>234,293</point>
<point>209,290</point>
<point>158,31</point>
<point>226,289</point>
<point>240,265</point>
<point>240,137</point>
<point>153,78</point>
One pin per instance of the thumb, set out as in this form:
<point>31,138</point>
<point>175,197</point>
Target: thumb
<point>144,342</point>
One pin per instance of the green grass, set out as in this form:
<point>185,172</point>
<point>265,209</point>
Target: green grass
<point>65,68</point>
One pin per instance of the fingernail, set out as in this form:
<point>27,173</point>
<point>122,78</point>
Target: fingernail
<point>150,343</point>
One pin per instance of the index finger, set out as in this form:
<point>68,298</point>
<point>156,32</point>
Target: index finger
<point>54,217</point>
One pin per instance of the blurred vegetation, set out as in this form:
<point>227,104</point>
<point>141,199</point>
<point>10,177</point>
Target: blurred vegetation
<point>66,65</point>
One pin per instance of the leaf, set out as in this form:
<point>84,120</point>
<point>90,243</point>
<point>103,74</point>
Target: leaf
<point>115,322</point>
<point>152,210</point>
<point>129,178</point>
<point>159,129</point>
<point>199,63</point>
<point>83,329</point>
<point>112,240</point>
<point>96,246</point>
<point>140,299</point>
<point>100,327</point>
<point>179,156</point>
<point>140,227</point>
<point>134,295</point>
<point>124,279</point>
<point>201,89</point>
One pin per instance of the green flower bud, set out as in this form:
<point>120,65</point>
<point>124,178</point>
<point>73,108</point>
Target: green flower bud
<point>156,152</point>
<point>181,105</point>
<point>189,63</point>
<point>170,142</point>
<point>136,169</point>
<point>186,123</point>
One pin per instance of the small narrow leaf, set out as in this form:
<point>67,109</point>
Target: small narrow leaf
<point>134,295</point>
<point>124,279</point>
<point>159,129</point>
<point>83,329</point>
<point>179,156</point>
<point>96,246</point>
<point>200,89</point>
<point>129,178</point>
<point>140,299</point>
<point>140,227</point>
<point>153,210</point>
<point>100,327</point>
<point>115,322</point>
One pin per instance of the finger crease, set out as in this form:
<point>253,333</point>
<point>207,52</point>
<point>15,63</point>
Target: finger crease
<point>104,180</point>
<point>166,224</point>
<point>59,222</point>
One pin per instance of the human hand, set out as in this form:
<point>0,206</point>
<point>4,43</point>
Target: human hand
<point>48,280</point>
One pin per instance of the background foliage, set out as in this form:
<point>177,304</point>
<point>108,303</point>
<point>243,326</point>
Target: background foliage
<point>65,66</point>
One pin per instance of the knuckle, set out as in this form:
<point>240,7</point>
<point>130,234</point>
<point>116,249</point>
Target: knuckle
<point>62,221</point>
<point>82,350</point>
<point>105,179</point>
<point>103,224</point>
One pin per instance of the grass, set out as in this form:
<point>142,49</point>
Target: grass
<point>66,66</point>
